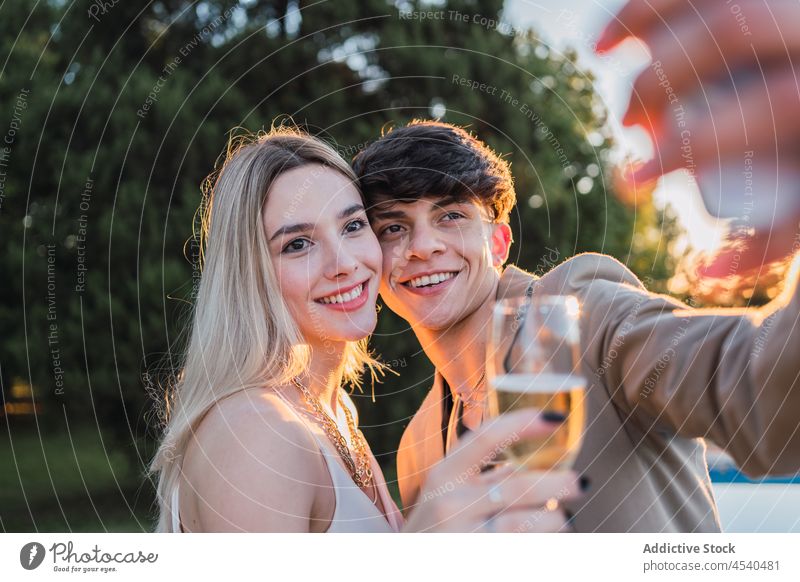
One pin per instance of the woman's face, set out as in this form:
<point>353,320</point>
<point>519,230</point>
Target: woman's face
<point>325,255</point>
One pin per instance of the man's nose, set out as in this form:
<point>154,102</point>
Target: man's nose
<point>423,244</point>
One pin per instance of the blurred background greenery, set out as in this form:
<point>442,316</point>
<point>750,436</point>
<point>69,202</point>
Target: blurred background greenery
<point>114,112</point>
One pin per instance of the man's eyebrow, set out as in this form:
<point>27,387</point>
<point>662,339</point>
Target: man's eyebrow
<point>377,214</point>
<point>451,200</point>
<point>387,214</point>
<point>306,226</point>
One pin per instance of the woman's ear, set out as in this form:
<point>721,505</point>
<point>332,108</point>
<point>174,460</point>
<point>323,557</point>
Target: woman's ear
<point>501,243</point>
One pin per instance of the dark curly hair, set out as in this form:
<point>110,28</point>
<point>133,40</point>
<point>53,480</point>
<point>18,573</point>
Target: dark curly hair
<point>430,159</point>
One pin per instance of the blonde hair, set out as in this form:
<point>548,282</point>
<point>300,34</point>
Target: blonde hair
<point>242,334</point>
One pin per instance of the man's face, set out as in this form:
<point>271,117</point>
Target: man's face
<point>439,258</point>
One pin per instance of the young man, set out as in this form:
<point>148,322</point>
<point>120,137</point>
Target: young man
<point>661,376</point>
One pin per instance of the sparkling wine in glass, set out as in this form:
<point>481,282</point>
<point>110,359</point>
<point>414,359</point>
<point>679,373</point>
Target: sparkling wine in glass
<point>533,361</point>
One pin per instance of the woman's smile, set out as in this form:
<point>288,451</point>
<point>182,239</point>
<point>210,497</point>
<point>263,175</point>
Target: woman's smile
<point>347,298</point>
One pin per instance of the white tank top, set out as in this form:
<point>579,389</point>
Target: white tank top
<point>354,511</point>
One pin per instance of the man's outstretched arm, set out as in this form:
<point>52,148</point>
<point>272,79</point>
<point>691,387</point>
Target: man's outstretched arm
<point>729,375</point>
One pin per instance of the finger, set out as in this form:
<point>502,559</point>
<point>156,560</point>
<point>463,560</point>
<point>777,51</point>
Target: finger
<point>526,521</point>
<point>679,52</point>
<point>481,446</point>
<point>520,490</point>
<point>527,489</point>
<point>729,125</point>
<point>710,46</point>
<point>744,256</point>
<point>498,472</point>
<point>636,18</point>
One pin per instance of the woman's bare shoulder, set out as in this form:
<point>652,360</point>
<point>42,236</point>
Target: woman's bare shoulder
<point>252,414</point>
<point>252,466</point>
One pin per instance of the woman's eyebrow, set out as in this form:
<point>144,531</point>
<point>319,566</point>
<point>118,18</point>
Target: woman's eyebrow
<point>306,226</point>
<point>292,229</point>
<point>350,210</point>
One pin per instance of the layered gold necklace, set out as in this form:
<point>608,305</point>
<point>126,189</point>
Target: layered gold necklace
<point>360,467</point>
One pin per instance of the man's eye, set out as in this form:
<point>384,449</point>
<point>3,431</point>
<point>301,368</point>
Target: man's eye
<point>391,229</point>
<point>453,216</point>
<point>297,245</point>
<point>355,225</point>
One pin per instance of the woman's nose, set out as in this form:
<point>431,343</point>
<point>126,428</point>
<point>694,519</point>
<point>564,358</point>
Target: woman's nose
<point>341,263</point>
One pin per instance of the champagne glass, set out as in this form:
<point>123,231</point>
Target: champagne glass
<point>533,361</point>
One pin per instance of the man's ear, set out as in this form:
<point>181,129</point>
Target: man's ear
<point>501,243</point>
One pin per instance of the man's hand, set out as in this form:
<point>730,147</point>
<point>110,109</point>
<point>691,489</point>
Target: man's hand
<point>724,81</point>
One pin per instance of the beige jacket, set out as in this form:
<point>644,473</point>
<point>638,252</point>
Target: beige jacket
<point>662,377</point>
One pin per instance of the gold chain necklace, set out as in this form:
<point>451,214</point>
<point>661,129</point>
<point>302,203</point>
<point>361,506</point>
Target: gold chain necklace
<point>360,468</point>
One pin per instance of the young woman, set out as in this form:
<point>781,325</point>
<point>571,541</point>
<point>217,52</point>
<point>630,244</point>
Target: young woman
<point>260,435</point>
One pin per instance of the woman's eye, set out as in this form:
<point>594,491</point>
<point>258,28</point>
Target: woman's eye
<point>297,245</point>
<point>355,225</point>
<point>453,216</point>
